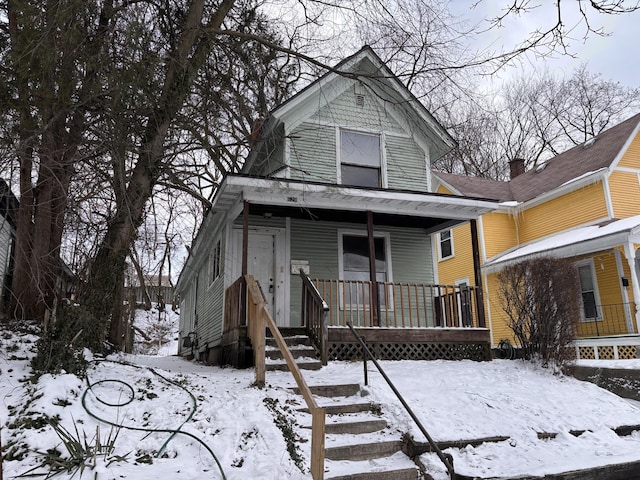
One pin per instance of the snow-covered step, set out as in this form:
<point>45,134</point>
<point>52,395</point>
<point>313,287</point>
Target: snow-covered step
<point>362,451</point>
<point>394,467</point>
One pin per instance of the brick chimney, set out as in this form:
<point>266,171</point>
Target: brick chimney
<point>516,167</point>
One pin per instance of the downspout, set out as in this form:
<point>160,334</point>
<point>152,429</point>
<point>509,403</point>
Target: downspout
<point>629,254</point>
<point>477,273</point>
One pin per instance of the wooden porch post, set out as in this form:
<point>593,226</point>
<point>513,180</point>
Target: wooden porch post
<point>245,262</point>
<point>375,300</point>
<point>477,274</point>
<point>245,238</point>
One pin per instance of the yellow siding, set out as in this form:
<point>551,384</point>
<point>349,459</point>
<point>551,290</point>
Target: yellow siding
<point>499,233</point>
<point>575,208</point>
<point>610,293</point>
<point>461,264</point>
<point>625,193</point>
<point>496,315</point>
<point>443,189</point>
<point>631,157</point>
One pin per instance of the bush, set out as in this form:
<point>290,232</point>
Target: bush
<point>61,347</point>
<point>541,298</point>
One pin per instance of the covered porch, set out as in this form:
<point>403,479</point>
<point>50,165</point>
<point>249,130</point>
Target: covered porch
<point>360,256</point>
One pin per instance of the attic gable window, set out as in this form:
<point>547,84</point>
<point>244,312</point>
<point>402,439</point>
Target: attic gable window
<point>360,159</point>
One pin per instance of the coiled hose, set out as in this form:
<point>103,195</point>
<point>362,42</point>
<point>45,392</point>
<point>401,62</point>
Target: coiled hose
<point>127,401</point>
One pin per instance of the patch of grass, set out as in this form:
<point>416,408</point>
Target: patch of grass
<point>81,452</point>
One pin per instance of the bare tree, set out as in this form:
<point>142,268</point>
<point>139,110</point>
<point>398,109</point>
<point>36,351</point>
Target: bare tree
<point>533,117</point>
<point>137,96</point>
<point>541,300</point>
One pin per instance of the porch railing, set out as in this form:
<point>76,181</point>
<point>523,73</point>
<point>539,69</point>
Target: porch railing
<point>401,305</point>
<point>235,305</point>
<point>611,319</point>
<point>314,316</point>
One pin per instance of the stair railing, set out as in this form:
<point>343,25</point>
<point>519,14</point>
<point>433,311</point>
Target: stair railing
<point>314,313</point>
<point>258,320</point>
<point>446,459</point>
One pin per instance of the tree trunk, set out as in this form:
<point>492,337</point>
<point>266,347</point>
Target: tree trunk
<point>106,280</point>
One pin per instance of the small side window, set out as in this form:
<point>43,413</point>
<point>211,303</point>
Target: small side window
<point>446,244</point>
<point>214,263</point>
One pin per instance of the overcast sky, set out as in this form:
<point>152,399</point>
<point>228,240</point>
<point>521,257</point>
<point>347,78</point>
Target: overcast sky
<point>616,57</point>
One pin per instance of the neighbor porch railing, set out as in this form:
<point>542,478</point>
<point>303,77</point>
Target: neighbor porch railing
<point>611,319</point>
<point>401,305</point>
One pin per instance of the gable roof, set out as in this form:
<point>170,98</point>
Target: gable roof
<point>368,68</point>
<point>600,152</point>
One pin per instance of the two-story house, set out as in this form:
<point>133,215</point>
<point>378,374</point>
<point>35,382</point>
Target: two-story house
<point>583,204</point>
<point>337,188</point>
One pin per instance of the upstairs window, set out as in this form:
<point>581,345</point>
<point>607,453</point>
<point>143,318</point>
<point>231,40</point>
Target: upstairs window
<point>360,159</point>
<point>446,244</point>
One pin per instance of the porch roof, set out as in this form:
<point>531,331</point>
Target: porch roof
<point>294,195</point>
<point>574,242</point>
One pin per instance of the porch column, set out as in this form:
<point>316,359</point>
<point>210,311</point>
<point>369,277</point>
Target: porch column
<point>477,273</point>
<point>245,238</point>
<point>375,300</point>
<point>630,255</point>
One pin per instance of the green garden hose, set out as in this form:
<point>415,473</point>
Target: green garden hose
<point>126,401</point>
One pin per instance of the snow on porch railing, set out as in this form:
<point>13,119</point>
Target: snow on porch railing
<point>401,305</point>
<point>258,320</point>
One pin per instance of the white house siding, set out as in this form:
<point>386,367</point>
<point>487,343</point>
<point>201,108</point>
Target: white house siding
<point>203,300</point>
<point>6,240</point>
<point>317,243</point>
<point>406,167</point>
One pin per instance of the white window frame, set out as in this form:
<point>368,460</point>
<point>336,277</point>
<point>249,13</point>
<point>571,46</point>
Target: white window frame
<point>440,257</point>
<point>383,160</point>
<point>588,262</point>
<point>387,251</point>
<point>214,270</point>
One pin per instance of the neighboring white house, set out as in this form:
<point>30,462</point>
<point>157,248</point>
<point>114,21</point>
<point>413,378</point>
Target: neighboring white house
<point>8,210</point>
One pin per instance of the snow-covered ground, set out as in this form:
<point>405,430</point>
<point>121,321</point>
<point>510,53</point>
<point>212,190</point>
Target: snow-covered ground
<point>226,420</point>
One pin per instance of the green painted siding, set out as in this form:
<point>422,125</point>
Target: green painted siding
<point>344,111</point>
<point>312,154</point>
<point>406,167</point>
<point>317,243</point>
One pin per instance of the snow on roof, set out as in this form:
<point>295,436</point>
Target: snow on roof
<point>573,238</point>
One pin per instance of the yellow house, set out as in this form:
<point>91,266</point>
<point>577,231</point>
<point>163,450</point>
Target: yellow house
<point>583,204</point>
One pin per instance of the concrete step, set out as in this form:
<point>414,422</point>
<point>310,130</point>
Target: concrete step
<point>348,408</point>
<point>363,451</point>
<point>355,428</point>
<point>394,467</point>
<point>398,474</point>
<point>345,390</point>
<point>303,364</point>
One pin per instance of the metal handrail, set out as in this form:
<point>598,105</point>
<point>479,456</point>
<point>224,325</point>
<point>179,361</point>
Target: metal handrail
<point>446,458</point>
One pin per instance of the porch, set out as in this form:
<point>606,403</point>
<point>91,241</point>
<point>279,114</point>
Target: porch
<point>402,322</point>
<point>608,320</point>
